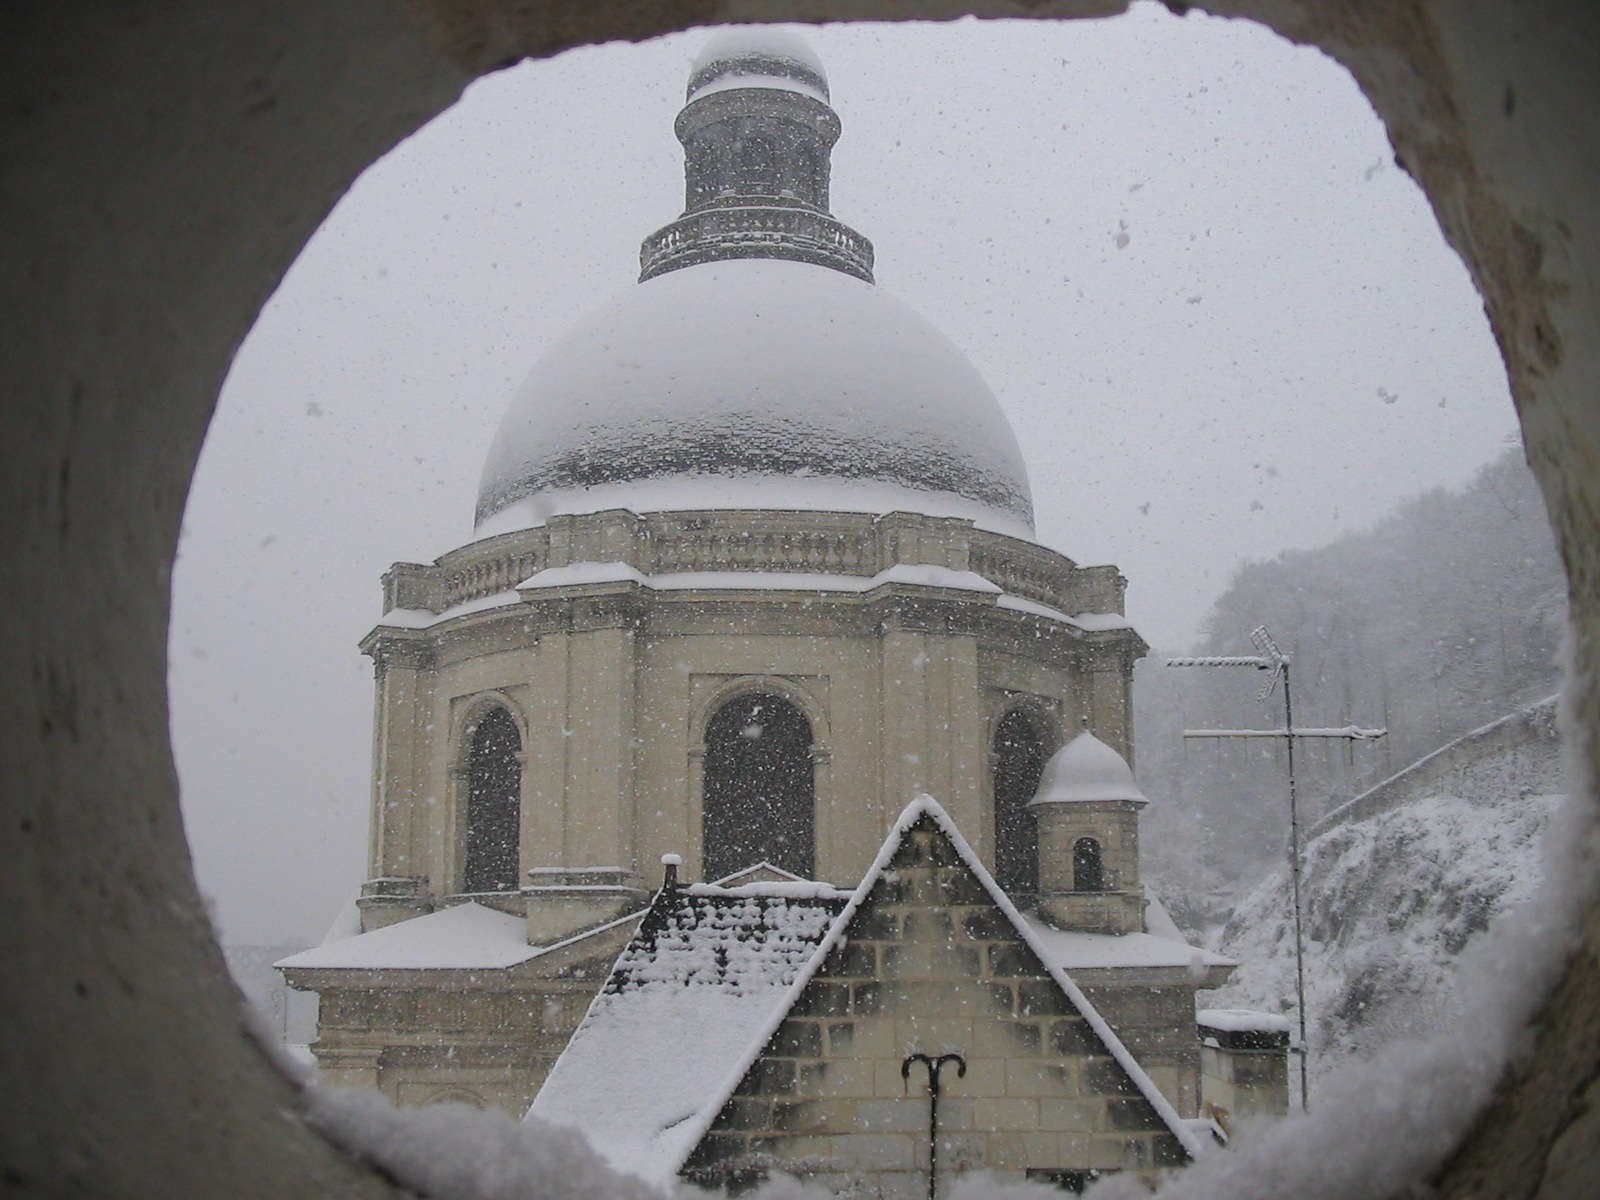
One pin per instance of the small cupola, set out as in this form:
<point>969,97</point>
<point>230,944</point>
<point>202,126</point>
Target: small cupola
<point>758,135</point>
<point>1087,808</point>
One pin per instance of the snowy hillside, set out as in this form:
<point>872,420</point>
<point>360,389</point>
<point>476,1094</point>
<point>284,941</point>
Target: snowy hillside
<point>1390,902</point>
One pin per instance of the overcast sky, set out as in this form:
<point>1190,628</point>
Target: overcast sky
<point>1220,319</point>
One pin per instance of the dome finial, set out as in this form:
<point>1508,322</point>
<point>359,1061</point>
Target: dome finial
<point>757,56</point>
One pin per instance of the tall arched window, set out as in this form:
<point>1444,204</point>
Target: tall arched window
<point>1018,763</point>
<point>494,791</point>
<point>1088,871</point>
<point>760,793</point>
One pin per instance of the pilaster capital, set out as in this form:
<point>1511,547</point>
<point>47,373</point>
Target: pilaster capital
<point>389,648</point>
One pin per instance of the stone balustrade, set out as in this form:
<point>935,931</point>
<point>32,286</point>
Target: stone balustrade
<point>856,544</point>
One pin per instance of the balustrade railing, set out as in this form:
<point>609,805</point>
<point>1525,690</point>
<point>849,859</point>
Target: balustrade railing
<point>666,546</point>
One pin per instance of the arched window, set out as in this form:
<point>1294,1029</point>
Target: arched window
<point>494,790</point>
<point>1088,872</point>
<point>760,793</point>
<point>1018,763</point>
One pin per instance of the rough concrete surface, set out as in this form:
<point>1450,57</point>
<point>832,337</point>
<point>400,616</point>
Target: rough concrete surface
<point>163,164</point>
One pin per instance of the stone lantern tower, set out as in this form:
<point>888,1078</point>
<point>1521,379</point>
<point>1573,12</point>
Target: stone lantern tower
<point>757,133</point>
<point>1087,809</point>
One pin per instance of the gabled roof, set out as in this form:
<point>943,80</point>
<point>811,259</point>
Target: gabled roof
<point>762,872</point>
<point>706,982</point>
<point>708,974</point>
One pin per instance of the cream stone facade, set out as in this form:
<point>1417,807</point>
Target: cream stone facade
<point>736,611</point>
<point>820,1065</point>
<point>585,632</point>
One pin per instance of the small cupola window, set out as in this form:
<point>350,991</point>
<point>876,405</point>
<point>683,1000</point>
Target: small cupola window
<point>1088,869</point>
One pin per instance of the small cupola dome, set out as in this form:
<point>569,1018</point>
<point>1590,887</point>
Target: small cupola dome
<point>1084,771</point>
<point>758,56</point>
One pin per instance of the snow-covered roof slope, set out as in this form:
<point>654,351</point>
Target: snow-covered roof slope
<point>708,974</point>
<point>465,937</point>
<point>756,370</point>
<point>1073,951</point>
<point>1162,945</point>
<point>677,1015</point>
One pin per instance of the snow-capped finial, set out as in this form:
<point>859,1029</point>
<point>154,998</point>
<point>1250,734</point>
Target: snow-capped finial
<point>671,862</point>
<point>757,56</point>
<point>1086,770</point>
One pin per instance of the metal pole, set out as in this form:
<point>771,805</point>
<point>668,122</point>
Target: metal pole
<point>1294,875</point>
<point>934,1066</point>
<point>1274,660</point>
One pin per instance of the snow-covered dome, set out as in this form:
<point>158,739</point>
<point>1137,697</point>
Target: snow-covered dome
<point>755,383</point>
<point>1086,770</point>
<point>757,56</point>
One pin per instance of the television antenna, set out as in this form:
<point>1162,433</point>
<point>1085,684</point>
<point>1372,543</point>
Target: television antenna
<point>1276,663</point>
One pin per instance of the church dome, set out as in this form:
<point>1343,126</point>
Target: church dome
<point>755,383</point>
<point>1086,770</point>
<point>755,365</point>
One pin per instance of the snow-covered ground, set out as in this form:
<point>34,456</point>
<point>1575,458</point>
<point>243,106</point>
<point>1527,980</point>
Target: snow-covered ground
<point>1390,903</point>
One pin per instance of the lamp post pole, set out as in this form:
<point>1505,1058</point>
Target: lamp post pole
<point>934,1065</point>
<point>1270,658</point>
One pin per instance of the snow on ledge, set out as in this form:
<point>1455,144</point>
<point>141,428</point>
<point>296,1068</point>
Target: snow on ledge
<point>463,938</point>
<point>794,493</point>
<point>781,83</point>
<point>800,889</point>
<point>1242,1020</point>
<point>922,575</point>
<point>1073,951</point>
<point>931,576</point>
<point>421,618</point>
<point>580,574</point>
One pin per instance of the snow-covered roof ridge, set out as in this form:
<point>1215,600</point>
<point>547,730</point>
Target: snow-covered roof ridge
<point>694,986</point>
<point>756,872</point>
<point>926,805</point>
<point>1074,951</point>
<point>746,1018</point>
<point>461,937</point>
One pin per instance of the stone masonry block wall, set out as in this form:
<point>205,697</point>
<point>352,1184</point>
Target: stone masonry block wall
<point>1156,1023</point>
<point>930,965</point>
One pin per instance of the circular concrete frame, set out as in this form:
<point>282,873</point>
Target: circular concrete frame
<point>163,166</point>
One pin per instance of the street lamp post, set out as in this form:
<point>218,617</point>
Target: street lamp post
<point>1269,658</point>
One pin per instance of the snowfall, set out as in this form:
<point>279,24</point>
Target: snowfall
<point>1434,929</point>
